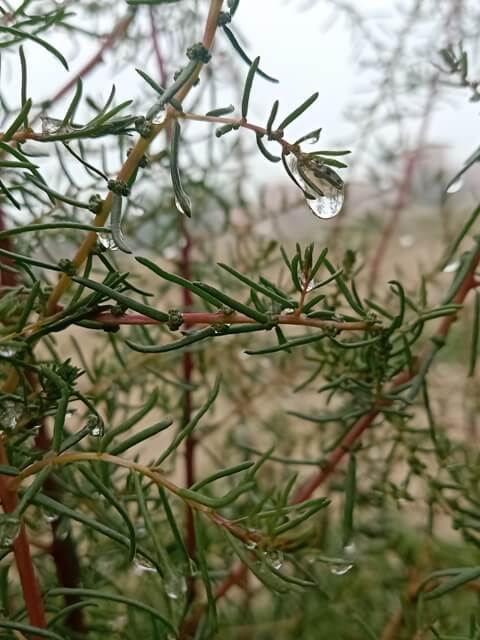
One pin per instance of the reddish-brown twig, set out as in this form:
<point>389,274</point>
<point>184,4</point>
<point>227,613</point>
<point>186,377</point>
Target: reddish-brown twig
<point>21,547</point>
<point>23,557</point>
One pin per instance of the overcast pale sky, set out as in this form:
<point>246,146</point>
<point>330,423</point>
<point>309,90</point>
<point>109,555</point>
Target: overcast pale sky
<point>295,47</point>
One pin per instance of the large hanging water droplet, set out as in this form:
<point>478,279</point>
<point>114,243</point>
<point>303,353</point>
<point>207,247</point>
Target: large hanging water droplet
<point>9,529</point>
<point>327,206</point>
<point>321,182</point>
<point>95,426</point>
<point>143,565</point>
<point>455,186</point>
<point>106,240</point>
<point>175,586</point>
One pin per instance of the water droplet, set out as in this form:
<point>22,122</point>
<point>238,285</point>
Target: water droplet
<point>288,310</point>
<point>140,532</point>
<point>95,426</point>
<point>451,267</point>
<point>186,212</point>
<point>406,241</point>
<point>192,567</point>
<point>136,212</point>
<point>455,186</point>
<point>62,530</point>
<point>50,516</point>
<point>10,413</point>
<point>160,117</point>
<point>50,125</point>
<point>106,240</point>
<point>9,529</point>
<point>350,549</point>
<point>275,558</point>
<point>6,351</point>
<point>340,569</point>
<point>175,586</point>
<point>327,206</point>
<point>221,328</point>
<point>321,182</point>
<point>251,545</point>
<point>143,565</point>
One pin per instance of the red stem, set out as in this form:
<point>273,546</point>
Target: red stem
<point>156,47</point>
<point>200,317</point>
<point>23,557</point>
<point>21,547</point>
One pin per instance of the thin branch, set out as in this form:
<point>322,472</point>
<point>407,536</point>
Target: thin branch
<point>196,318</point>
<point>12,484</point>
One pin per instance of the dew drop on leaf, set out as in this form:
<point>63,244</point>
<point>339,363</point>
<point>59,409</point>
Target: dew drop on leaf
<point>455,186</point>
<point>50,125</point>
<point>95,426</point>
<point>10,413</point>
<point>9,529</point>
<point>106,240</point>
<point>350,549</point>
<point>181,209</point>
<point>143,565</point>
<point>251,545</point>
<point>275,558</point>
<point>160,117</point>
<point>451,267</point>
<point>50,516</point>
<point>175,586</point>
<point>340,569</point>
